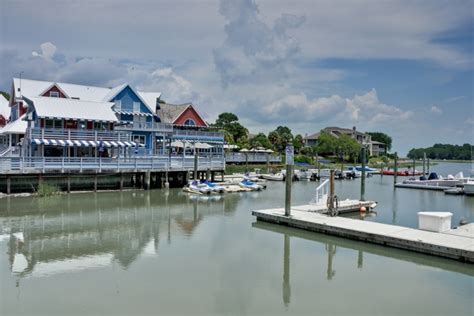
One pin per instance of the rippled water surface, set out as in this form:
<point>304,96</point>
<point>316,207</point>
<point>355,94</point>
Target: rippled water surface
<point>164,252</point>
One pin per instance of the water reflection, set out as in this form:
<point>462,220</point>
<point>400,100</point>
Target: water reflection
<point>50,236</point>
<point>333,243</point>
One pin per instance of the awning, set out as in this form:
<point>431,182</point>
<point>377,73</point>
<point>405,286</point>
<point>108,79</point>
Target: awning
<point>134,113</point>
<point>82,143</point>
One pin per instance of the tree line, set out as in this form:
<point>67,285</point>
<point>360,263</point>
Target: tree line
<point>444,151</point>
<point>344,146</point>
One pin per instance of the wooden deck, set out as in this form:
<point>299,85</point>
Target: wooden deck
<point>456,244</point>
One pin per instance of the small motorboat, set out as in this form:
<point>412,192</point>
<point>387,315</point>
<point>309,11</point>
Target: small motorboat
<point>250,185</point>
<point>215,187</point>
<point>197,188</point>
<point>273,177</point>
<point>303,175</point>
<point>469,187</point>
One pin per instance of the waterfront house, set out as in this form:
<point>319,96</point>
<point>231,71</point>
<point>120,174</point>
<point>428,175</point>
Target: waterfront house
<point>4,110</point>
<point>375,148</point>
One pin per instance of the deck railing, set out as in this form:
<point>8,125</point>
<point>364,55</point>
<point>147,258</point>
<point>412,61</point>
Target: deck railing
<point>191,133</point>
<point>146,126</point>
<point>76,164</point>
<point>77,134</point>
<point>251,157</point>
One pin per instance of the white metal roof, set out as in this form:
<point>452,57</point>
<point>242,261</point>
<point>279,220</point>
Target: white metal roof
<point>34,88</point>
<point>73,109</point>
<point>16,127</point>
<point>4,108</point>
<point>150,99</point>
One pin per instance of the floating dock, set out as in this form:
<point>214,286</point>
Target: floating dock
<point>455,244</point>
<point>422,186</point>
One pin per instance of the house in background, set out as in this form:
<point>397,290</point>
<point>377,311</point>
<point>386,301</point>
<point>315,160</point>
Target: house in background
<point>4,111</point>
<point>375,148</point>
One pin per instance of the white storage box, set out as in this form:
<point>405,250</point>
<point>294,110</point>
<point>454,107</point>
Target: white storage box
<point>434,221</point>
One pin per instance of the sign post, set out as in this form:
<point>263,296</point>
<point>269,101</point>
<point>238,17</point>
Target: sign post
<point>290,153</point>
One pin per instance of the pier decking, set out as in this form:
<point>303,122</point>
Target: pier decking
<point>455,244</point>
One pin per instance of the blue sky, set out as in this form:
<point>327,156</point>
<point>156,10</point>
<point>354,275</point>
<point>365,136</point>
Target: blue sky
<point>400,67</point>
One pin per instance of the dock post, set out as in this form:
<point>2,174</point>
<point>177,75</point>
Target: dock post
<point>289,178</point>
<point>208,174</point>
<point>424,162</point>
<point>222,176</point>
<point>428,166</point>
<point>213,176</point>
<point>68,179</point>
<point>146,182</point>
<point>414,164</point>
<point>362,178</point>
<point>9,183</point>
<point>95,183</point>
<point>121,181</point>
<point>395,168</point>
<point>195,166</point>
<point>318,165</point>
<point>331,208</point>
<point>167,182</point>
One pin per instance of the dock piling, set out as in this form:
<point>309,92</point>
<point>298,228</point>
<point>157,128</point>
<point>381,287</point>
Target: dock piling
<point>395,168</point>
<point>362,178</point>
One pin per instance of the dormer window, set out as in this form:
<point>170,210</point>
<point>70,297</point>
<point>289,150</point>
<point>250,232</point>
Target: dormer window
<point>136,106</point>
<point>54,94</point>
<point>118,105</point>
<point>189,122</point>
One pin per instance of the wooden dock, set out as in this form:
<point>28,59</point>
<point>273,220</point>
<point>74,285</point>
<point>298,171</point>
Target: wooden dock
<point>344,206</point>
<point>456,244</point>
<point>422,186</point>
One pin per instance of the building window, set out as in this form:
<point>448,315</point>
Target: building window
<point>53,123</point>
<point>100,125</point>
<point>118,105</point>
<point>54,94</point>
<point>141,139</point>
<point>190,122</point>
<point>136,106</point>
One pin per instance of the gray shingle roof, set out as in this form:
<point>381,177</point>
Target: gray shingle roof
<point>168,113</point>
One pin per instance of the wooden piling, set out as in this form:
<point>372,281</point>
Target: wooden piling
<point>9,183</point>
<point>167,182</point>
<point>362,178</point>
<point>195,166</point>
<point>68,183</point>
<point>121,182</point>
<point>395,168</point>
<point>95,182</point>
<point>288,182</point>
<point>147,180</point>
<point>208,174</point>
<point>424,163</point>
<point>414,164</point>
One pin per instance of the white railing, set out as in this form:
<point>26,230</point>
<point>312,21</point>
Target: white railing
<point>251,157</point>
<point>77,134</point>
<point>322,192</point>
<point>66,164</point>
<point>181,132</point>
<point>146,126</point>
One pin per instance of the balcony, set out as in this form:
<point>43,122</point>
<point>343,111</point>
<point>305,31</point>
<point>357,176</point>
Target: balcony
<point>146,126</point>
<point>252,157</point>
<point>198,135</point>
<point>77,134</point>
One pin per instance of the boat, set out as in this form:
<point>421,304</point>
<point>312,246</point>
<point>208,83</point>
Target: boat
<point>469,187</point>
<point>401,173</point>
<point>197,188</point>
<point>367,169</point>
<point>250,185</point>
<point>304,175</point>
<point>352,172</point>
<point>273,177</point>
<point>215,187</point>
<point>435,181</point>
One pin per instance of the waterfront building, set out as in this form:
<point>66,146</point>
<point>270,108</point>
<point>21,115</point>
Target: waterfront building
<point>4,110</point>
<point>375,148</point>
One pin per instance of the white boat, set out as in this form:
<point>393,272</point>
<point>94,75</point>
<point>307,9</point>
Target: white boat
<point>469,187</point>
<point>215,187</point>
<point>273,177</point>
<point>352,173</point>
<point>197,188</point>
<point>435,180</point>
<point>250,185</point>
<point>303,175</point>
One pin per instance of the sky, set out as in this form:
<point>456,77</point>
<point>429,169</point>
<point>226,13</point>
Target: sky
<point>404,68</point>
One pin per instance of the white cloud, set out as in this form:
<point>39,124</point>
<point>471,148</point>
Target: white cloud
<point>436,110</point>
<point>48,50</point>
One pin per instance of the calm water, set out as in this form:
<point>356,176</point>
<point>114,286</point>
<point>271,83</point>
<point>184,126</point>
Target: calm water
<point>162,252</point>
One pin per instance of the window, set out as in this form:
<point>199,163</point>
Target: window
<point>136,106</point>
<point>189,122</point>
<point>53,123</point>
<point>54,94</point>
<point>118,105</point>
<point>141,139</point>
<point>100,125</point>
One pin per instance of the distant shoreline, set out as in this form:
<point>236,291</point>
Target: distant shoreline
<point>460,161</point>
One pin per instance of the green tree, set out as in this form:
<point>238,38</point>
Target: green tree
<point>280,137</point>
<point>229,122</point>
<point>383,138</point>
<point>298,143</point>
<point>346,145</point>
<point>261,140</point>
<point>327,144</point>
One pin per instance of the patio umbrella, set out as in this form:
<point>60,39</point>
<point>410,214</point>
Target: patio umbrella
<point>177,143</point>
